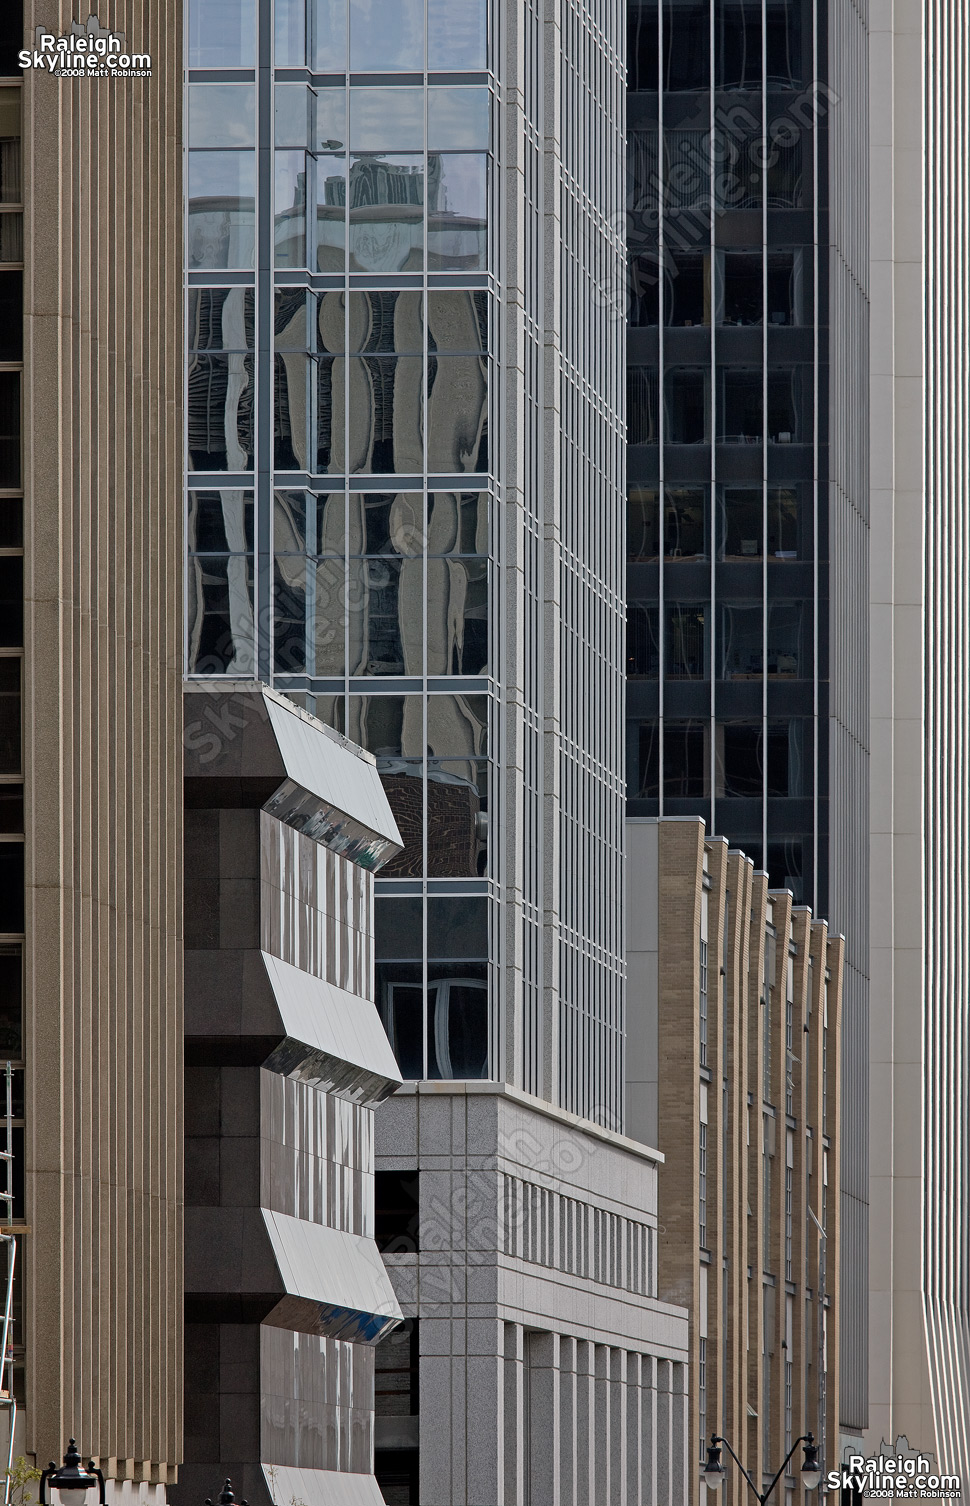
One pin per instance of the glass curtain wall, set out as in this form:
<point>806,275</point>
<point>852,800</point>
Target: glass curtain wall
<point>726,427</point>
<point>340,500</point>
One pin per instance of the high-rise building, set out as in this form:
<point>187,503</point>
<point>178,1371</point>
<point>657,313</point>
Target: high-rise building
<point>90,771</point>
<point>405,512</point>
<point>733,1067</point>
<point>920,630</point>
<point>747,469</point>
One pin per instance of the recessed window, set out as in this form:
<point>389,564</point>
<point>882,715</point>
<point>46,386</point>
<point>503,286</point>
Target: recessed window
<point>397,1211</point>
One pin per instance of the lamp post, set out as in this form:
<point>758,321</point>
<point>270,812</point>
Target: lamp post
<point>712,1473</point>
<point>70,1476</point>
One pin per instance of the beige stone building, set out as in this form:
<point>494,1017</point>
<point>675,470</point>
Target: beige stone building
<point>733,1074</point>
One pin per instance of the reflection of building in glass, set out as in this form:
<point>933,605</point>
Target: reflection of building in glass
<point>421,417</point>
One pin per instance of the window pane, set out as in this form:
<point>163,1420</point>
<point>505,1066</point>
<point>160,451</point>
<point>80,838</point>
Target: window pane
<point>457,211</point>
<point>685,523</point>
<point>457,617</point>
<point>741,407</point>
<point>330,448</point>
<point>328,35</point>
<point>456,34</point>
<point>10,429</point>
<point>292,412</point>
<point>386,34</point>
<point>457,818</point>
<point>741,294</point>
<point>221,318</point>
<point>687,44</point>
<point>686,760</point>
<point>387,214</point>
<point>385,404</point>
<point>389,726</point>
<point>643,55</point>
<point>457,726</point>
<point>10,754</point>
<point>458,523</point>
<point>11,237</point>
<point>457,321</point>
<point>222,33</point>
<point>11,523</point>
<point>329,618</point>
<point>11,601</point>
<point>644,776</point>
<point>331,213</point>
<point>742,650</point>
<point>289,614</point>
<point>741,522</point>
<point>400,995</point>
<point>292,112</point>
<point>642,405</point>
<point>787,293</point>
<point>290,215</point>
<point>12,808</point>
<point>643,524</point>
<point>458,118</point>
<point>222,115</point>
<point>457,413</point>
<point>220,615</point>
<point>11,1002</point>
<point>290,40</point>
<point>387,523</point>
<point>12,887</point>
<point>386,322</point>
<point>221,209</point>
<point>738,43</point>
<point>789,405</point>
<point>221,522</point>
<point>687,408</point>
<point>789,757</point>
<point>330,533</point>
<point>383,118</point>
<point>220,413</point>
<point>11,316</point>
<point>686,645</point>
<point>740,767</point>
<point>688,289</point>
<point>785,645</point>
<point>642,641</point>
<point>458,1028</point>
<point>784,524</point>
<point>385,600</point>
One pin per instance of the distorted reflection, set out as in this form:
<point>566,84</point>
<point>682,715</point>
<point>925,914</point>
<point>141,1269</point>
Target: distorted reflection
<point>386,213</point>
<point>219,587</point>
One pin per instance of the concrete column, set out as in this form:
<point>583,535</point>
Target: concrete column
<point>543,1432</point>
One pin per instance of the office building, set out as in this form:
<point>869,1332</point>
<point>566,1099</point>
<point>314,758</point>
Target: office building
<point>90,770</point>
<point>733,1071</point>
<point>405,397</point>
<point>748,482</point>
<point>920,1324</point>
<point>285,1059</point>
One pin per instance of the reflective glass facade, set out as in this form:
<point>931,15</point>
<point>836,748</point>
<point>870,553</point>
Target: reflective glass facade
<point>727,457</point>
<point>395,440</point>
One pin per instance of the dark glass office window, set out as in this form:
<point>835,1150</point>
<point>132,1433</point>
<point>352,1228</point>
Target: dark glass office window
<point>686,640</point>
<point>643,523</point>
<point>687,406</point>
<point>11,37</point>
<point>10,716</point>
<point>396,1369</point>
<point>790,405</point>
<point>644,775</point>
<point>220,412</point>
<point>788,623</point>
<point>737,43</point>
<point>686,44</point>
<point>11,601</point>
<point>741,772</point>
<point>742,294</point>
<point>644,290</point>
<point>688,289</point>
<point>789,757</point>
<point>643,641</point>
<point>685,523</point>
<point>11,1006</point>
<point>783,180</point>
<point>396,1211</point>
<point>783,43</point>
<point>742,648</point>
<point>685,759</point>
<point>788,293</point>
<point>774,759</point>
<point>397,1474</point>
<point>741,407</point>
<point>12,808</point>
<point>12,887</point>
<point>643,57</point>
<point>11,316</point>
<point>10,429</point>
<point>786,866</point>
<point>11,523</point>
<point>741,522</point>
<point>642,388</point>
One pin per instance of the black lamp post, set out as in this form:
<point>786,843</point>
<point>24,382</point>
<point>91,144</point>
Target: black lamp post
<point>70,1476</point>
<point>712,1473</point>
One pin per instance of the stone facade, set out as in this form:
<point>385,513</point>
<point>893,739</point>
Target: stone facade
<point>733,1072</point>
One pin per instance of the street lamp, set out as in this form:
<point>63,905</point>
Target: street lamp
<point>70,1476</point>
<point>712,1473</point>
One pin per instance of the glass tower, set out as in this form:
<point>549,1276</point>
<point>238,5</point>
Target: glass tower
<point>747,502</point>
<point>404,461</point>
